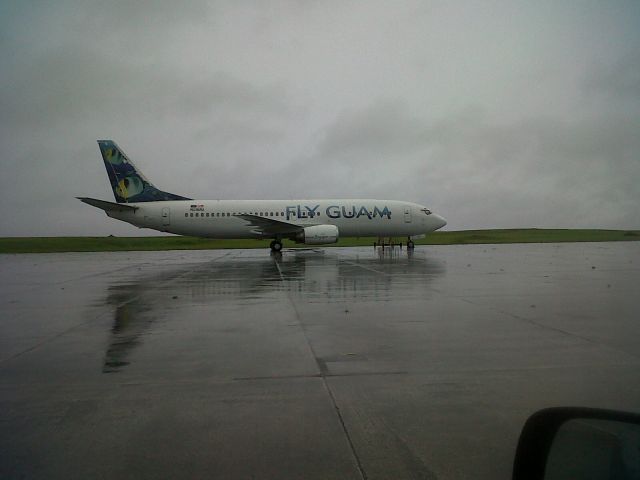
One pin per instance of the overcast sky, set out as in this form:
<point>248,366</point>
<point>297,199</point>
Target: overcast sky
<point>494,114</point>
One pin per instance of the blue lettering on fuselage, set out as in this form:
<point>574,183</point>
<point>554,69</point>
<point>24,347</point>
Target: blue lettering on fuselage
<point>312,211</point>
<point>301,211</point>
<point>337,211</point>
<point>349,214</point>
<point>333,211</point>
<point>289,211</point>
<point>363,211</point>
<point>385,211</point>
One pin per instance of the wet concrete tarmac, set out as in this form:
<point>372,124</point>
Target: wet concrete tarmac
<point>324,363</point>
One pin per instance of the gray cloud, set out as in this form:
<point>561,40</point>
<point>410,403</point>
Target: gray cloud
<point>539,172</point>
<point>498,115</point>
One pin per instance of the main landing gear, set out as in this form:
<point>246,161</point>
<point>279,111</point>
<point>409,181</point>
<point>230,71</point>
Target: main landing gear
<point>388,245</point>
<point>276,246</point>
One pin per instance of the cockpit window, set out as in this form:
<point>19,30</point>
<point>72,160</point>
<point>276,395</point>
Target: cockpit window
<point>426,211</point>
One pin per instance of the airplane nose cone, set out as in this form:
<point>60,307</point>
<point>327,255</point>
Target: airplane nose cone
<point>440,221</point>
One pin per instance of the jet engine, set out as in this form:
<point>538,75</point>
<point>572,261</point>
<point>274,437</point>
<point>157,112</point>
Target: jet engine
<point>318,235</point>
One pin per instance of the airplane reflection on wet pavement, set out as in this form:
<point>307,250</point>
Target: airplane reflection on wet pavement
<point>302,272</point>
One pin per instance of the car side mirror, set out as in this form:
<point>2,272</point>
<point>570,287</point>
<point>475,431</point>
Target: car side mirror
<point>578,443</point>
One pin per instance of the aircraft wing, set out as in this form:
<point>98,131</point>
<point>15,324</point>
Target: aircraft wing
<point>270,226</point>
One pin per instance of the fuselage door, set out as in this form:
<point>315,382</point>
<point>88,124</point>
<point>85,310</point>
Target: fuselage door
<point>166,217</point>
<point>407,214</point>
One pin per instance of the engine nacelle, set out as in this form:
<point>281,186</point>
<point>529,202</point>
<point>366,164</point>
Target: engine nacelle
<point>318,235</point>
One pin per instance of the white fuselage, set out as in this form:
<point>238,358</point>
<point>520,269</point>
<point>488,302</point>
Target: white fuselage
<point>218,218</point>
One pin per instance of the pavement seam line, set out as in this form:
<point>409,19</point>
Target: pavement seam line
<point>547,327</point>
<point>322,375</point>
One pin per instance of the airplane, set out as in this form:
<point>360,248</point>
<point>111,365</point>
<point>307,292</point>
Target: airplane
<point>312,222</point>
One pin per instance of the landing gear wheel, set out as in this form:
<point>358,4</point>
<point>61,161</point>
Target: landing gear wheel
<point>410,245</point>
<point>276,246</point>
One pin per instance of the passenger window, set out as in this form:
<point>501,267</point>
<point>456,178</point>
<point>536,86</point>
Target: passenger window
<point>207,214</point>
<point>191,214</point>
<point>186,214</point>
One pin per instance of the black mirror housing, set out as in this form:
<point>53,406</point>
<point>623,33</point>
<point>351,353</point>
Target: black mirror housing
<point>541,431</point>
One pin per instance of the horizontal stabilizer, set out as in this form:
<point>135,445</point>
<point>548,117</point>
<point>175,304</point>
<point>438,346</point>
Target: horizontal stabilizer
<point>107,206</point>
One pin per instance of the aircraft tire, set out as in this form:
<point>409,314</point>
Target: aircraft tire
<point>411,245</point>
<point>276,246</point>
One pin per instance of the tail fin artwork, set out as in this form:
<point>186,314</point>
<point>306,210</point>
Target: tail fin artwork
<point>128,183</point>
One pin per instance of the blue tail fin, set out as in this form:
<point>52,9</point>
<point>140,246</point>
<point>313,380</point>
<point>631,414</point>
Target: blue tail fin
<point>128,183</point>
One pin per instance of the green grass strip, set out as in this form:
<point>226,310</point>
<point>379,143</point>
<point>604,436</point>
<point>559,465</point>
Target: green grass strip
<point>464,237</point>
